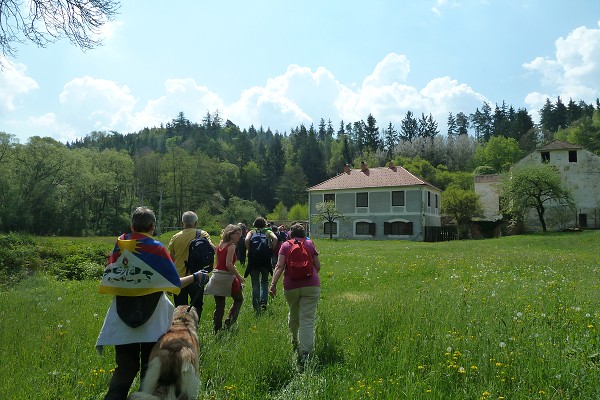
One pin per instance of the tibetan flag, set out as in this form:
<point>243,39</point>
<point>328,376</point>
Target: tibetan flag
<point>139,265</point>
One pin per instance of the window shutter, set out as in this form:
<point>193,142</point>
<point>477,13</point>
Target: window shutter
<point>387,228</point>
<point>372,229</point>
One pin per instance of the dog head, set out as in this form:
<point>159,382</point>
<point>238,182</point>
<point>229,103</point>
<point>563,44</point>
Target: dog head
<point>185,317</point>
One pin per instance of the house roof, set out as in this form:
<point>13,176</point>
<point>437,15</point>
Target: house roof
<point>559,145</point>
<point>371,178</point>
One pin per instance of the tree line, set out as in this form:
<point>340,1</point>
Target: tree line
<point>228,174</point>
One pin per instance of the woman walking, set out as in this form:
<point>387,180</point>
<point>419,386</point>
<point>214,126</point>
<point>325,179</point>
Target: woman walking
<point>301,290</point>
<point>226,258</point>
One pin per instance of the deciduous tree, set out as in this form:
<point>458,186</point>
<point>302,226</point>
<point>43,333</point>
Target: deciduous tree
<point>44,21</point>
<point>534,186</point>
<point>328,213</point>
<point>461,205</point>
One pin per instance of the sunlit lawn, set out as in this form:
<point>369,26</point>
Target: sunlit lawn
<point>509,318</point>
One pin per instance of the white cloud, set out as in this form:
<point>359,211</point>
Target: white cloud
<point>573,73</point>
<point>109,30</point>
<point>48,125</point>
<point>97,104</point>
<point>298,96</point>
<point>303,96</point>
<point>181,95</point>
<point>387,95</point>
<point>14,82</point>
<point>394,68</point>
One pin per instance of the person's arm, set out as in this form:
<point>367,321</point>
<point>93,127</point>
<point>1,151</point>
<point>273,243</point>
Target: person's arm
<point>248,236</point>
<point>207,236</point>
<point>171,248</point>
<point>274,239</point>
<point>276,274</point>
<point>230,265</point>
<point>198,278</point>
<point>317,263</point>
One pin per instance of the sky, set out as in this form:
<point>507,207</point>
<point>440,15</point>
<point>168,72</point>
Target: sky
<point>279,64</point>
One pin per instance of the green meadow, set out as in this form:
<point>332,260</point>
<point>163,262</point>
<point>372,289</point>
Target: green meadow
<point>508,318</point>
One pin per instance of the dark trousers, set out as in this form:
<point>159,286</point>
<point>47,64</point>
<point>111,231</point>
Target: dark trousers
<point>195,294</point>
<point>128,357</point>
<point>238,299</point>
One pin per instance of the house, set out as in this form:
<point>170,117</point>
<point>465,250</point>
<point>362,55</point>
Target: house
<point>486,186</point>
<point>580,170</point>
<point>379,203</point>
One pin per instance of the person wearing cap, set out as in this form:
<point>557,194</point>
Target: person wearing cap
<point>179,250</point>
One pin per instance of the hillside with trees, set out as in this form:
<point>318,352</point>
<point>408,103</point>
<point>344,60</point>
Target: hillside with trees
<point>230,174</point>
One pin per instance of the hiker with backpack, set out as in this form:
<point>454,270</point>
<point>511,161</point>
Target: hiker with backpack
<point>260,242</point>
<point>298,261</point>
<point>191,250</point>
<point>282,236</point>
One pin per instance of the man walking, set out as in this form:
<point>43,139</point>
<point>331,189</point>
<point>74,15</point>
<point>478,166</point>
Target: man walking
<point>179,246</point>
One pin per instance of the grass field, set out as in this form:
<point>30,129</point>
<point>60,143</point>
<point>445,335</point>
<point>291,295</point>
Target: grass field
<point>508,318</point>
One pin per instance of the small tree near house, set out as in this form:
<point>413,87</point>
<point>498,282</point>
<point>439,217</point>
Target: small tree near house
<point>461,205</point>
<point>534,186</point>
<point>326,212</point>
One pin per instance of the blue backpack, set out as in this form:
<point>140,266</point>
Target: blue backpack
<point>259,250</point>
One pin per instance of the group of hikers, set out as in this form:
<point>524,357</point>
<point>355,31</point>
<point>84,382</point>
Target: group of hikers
<point>141,270</point>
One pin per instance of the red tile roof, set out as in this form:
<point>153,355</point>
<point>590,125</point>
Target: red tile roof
<point>372,178</point>
<point>559,145</point>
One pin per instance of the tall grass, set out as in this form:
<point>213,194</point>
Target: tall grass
<point>509,318</point>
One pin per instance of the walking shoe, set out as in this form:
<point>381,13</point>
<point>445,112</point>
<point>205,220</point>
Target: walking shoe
<point>303,361</point>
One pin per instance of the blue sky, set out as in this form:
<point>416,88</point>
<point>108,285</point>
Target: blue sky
<point>279,64</point>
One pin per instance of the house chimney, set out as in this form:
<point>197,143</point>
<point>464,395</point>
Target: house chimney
<point>363,167</point>
<point>392,166</point>
<point>347,168</point>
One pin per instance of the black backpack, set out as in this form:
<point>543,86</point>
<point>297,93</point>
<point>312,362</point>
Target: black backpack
<point>201,254</point>
<point>281,236</point>
<point>259,250</point>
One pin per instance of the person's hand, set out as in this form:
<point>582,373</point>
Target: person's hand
<point>200,278</point>
<point>241,279</point>
<point>272,290</point>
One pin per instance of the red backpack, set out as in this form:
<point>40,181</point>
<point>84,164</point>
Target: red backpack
<point>298,263</point>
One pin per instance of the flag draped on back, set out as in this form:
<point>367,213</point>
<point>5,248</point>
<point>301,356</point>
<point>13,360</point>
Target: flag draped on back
<point>139,265</point>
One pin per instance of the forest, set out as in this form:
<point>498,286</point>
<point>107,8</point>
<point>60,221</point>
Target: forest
<point>228,174</point>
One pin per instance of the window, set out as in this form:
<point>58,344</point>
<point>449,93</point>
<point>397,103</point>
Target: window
<point>437,200</point>
<point>362,199</point>
<point>545,156</point>
<point>572,155</point>
<point>365,228</point>
<point>330,228</point>
<point>428,199</point>
<point>583,221</point>
<point>398,228</point>
<point>398,198</point>
<point>329,197</point>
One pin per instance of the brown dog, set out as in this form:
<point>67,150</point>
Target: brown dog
<point>173,366</point>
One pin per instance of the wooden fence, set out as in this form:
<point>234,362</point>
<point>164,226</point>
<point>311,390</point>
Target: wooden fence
<point>440,233</point>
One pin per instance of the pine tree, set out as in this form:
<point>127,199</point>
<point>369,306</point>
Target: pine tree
<point>408,127</point>
<point>452,127</point>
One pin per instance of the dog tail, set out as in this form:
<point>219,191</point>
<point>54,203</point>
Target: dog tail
<point>169,376</point>
<point>190,383</point>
